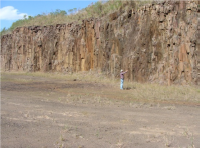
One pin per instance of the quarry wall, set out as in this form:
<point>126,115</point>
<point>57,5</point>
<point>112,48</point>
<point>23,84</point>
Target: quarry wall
<point>155,43</point>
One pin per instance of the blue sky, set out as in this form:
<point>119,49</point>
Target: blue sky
<point>13,10</point>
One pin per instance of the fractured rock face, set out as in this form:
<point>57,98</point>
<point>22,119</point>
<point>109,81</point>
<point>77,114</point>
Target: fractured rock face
<point>156,43</point>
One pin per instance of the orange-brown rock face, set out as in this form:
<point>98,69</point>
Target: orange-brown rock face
<point>157,43</point>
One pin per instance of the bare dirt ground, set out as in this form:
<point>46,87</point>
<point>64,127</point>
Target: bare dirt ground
<point>42,112</point>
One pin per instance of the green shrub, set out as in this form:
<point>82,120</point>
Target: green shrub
<point>3,31</point>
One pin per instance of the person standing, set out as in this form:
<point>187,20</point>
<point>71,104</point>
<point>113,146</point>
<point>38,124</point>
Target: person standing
<point>122,78</point>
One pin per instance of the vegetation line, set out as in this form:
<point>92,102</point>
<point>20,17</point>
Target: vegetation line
<point>98,9</point>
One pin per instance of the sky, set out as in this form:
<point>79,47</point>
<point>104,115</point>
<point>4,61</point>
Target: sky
<point>13,10</point>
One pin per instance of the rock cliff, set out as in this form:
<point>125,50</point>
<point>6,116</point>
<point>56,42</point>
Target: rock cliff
<point>156,43</point>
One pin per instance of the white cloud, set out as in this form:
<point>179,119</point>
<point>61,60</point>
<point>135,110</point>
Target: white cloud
<point>10,13</point>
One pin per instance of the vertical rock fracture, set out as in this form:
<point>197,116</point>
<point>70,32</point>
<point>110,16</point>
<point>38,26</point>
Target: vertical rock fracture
<point>156,43</point>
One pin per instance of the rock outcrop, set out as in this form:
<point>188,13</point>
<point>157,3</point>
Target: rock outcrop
<point>156,43</point>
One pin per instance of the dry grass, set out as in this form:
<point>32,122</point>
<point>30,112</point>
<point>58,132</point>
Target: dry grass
<point>154,92</point>
<point>95,10</point>
<point>137,91</point>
